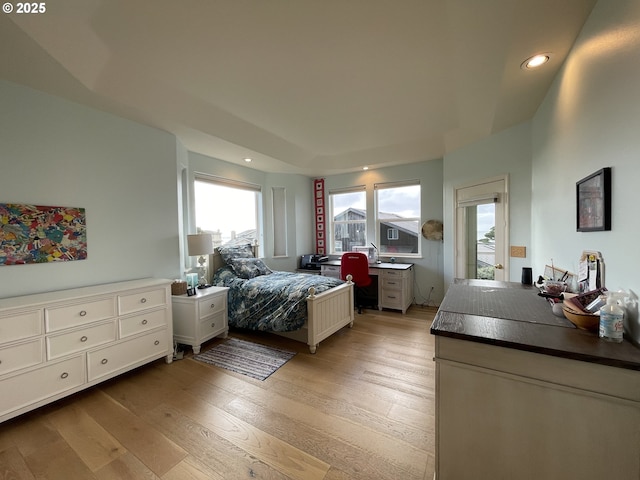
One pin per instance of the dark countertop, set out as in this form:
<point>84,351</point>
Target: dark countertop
<point>383,265</point>
<point>512,315</point>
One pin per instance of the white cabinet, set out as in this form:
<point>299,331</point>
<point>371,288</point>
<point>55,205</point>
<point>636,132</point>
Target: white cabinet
<point>509,413</point>
<point>200,317</point>
<point>57,343</point>
<point>395,288</point>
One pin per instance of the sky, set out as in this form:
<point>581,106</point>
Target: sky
<point>225,209</point>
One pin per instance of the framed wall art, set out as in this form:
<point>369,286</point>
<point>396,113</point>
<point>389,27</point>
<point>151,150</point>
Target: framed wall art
<point>593,196</point>
<point>41,234</point>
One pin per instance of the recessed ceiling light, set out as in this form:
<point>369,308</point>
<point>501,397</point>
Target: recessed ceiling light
<point>248,160</point>
<point>365,168</point>
<point>535,61</point>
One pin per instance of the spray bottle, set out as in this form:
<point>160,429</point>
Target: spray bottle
<point>612,318</point>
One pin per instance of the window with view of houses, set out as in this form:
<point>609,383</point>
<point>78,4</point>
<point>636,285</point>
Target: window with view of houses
<point>398,218</point>
<point>348,228</point>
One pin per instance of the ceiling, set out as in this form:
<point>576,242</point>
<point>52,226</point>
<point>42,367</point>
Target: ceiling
<point>315,87</point>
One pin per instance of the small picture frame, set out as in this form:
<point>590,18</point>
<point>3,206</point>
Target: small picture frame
<point>191,291</point>
<point>593,197</point>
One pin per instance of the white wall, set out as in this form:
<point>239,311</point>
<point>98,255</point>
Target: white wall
<point>589,120</point>
<point>428,269</point>
<point>54,152</point>
<point>508,152</point>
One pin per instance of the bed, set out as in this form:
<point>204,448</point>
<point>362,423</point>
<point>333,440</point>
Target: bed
<point>307,308</point>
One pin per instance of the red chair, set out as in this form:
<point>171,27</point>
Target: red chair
<point>356,264</point>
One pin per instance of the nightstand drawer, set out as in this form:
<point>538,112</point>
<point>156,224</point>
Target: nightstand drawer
<point>212,326</point>
<point>143,322</point>
<point>78,314</point>
<point>136,302</point>
<point>19,356</point>
<point>20,325</point>
<point>213,304</point>
<point>78,340</point>
<point>114,358</point>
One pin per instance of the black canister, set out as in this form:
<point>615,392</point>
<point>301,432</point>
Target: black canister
<point>527,276</point>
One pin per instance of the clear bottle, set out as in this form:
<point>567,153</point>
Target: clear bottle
<point>612,319</point>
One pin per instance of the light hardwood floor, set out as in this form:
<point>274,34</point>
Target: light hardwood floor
<point>362,407</point>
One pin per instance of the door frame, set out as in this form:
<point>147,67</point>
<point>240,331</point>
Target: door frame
<point>459,225</point>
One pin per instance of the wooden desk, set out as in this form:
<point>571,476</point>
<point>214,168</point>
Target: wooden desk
<point>395,282</point>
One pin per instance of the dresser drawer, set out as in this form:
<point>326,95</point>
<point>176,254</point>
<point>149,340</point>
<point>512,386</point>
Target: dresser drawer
<point>58,318</point>
<point>137,350</point>
<point>211,326</point>
<point>211,305</point>
<point>139,301</point>
<point>25,389</point>
<point>20,325</point>
<point>143,322</point>
<point>81,339</point>
<point>21,355</point>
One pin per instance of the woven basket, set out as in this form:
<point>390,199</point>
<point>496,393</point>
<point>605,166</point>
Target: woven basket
<point>178,287</point>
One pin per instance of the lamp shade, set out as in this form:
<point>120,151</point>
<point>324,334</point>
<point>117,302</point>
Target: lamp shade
<point>200,244</point>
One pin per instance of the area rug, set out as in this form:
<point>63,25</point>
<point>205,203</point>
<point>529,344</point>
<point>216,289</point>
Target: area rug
<point>251,359</point>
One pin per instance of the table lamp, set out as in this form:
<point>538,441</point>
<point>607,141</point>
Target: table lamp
<point>201,244</point>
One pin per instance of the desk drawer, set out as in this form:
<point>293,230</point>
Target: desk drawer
<point>19,356</point>
<point>78,340</point>
<point>78,314</point>
<point>330,271</point>
<point>20,325</point>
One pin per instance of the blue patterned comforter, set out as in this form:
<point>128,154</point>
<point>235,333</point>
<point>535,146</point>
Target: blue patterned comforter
<point>274,302</point>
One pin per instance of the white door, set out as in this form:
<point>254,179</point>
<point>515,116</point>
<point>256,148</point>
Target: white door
<point>481,235</point>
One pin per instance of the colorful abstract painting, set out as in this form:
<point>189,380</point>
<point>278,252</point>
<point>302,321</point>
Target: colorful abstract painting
<point>41,234</point>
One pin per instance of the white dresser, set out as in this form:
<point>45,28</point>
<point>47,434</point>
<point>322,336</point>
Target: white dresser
<point>57,343</point>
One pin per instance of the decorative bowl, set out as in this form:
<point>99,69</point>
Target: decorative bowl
<point>582,320</point>
<point>553,287</point>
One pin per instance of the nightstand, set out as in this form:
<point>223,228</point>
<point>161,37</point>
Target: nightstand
<point>200,317</point>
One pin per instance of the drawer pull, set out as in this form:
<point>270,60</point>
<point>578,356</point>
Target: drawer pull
<point>104,361</point>
<point>213,324</point>
<point>157,342</point>
<point>144,322</point>
<point>83,313</point>
<point>64,375</point>
<point>84,338</point>
<point>143,300</point>
<point>212,305</point>
<point>0,362</point>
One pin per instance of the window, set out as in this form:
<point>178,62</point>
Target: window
<point>348,214</point>
<point>398,218</point>
<point>228,209</point>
